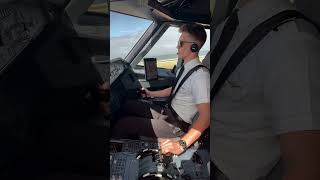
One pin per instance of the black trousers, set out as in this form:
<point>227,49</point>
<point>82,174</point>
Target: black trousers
<point>145,119</point>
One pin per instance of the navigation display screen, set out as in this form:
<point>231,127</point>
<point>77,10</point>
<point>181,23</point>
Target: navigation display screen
<point>150,65</point>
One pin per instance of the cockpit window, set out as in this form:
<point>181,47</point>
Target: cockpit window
<point>165,50</point>
<point>125,31</point>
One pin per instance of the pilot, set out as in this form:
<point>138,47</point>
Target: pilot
<point>266,118</point>
<point>175,119</point>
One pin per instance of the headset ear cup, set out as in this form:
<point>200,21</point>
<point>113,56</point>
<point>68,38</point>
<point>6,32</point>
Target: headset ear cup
<point>194,48</point>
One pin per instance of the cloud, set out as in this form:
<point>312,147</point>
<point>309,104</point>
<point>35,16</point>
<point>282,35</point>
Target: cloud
<point>121,46</point>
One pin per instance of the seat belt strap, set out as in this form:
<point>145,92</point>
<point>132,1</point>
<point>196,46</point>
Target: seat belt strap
<point>183,80</point>
<point>168,105</point>
<point>255,36</point>
<point>225,38</point>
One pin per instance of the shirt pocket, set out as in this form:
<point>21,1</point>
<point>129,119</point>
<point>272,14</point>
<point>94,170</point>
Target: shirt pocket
<point>236,86</point>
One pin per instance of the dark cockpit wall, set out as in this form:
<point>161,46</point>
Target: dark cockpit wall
<point>50,126</point>
<point>21,87</point>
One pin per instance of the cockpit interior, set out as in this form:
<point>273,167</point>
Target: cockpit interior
<point>150,62</point>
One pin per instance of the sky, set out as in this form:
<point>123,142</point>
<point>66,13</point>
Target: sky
<point>124,25</point>
<point>126,31</point>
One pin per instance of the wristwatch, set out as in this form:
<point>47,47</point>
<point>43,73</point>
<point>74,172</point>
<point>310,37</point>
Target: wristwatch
<point>183,144</point>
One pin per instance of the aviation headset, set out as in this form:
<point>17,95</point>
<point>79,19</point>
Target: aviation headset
<point>194,47</point>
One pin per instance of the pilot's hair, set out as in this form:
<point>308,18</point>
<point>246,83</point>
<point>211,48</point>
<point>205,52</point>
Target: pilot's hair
<point>196,31</point>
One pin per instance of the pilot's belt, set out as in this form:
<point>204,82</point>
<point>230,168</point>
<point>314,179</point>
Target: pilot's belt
<point>177,121</point>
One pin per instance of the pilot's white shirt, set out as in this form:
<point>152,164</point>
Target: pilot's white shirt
<point>275,90</point>
<point>195,90</point>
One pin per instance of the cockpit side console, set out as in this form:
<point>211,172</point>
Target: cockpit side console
<point>142,160</point>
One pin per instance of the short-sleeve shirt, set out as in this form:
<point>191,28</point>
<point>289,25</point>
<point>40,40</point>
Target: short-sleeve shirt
<point>275,90</point>
<point>195,90</point>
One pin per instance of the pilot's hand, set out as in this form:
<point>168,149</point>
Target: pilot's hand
<point>145,92</point>
<point>170,146</point>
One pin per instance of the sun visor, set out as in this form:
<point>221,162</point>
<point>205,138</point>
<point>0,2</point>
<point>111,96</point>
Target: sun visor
<point>133,8</point>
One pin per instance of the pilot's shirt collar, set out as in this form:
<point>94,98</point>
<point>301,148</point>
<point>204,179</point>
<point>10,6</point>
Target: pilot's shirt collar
<point>189,65</point>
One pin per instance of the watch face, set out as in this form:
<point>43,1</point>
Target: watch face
<point>183,144</point>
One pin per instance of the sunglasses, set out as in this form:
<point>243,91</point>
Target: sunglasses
<point>180,43</point>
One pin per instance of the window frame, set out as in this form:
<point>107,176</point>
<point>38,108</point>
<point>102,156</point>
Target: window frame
<point>164,26</point>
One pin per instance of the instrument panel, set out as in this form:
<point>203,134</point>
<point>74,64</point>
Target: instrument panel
<point>116,68</point>
<point>124,83</point>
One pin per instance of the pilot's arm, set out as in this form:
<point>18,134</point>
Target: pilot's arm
<point>198,127</point>
<point>301,155</point>
<point>293,100</point>
<point>200,89</point>
<point>160,93</point>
